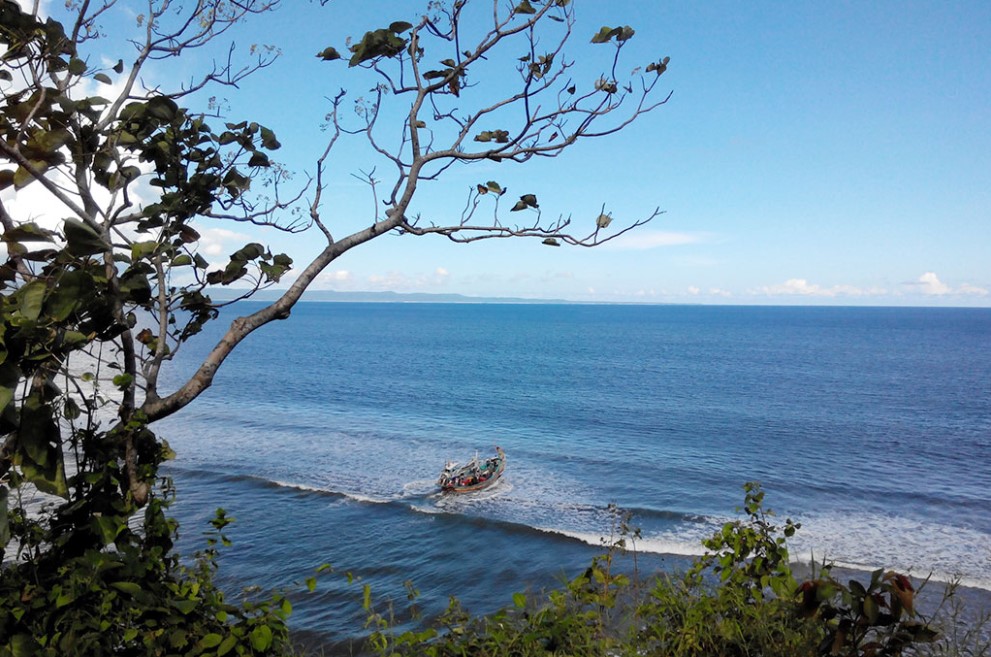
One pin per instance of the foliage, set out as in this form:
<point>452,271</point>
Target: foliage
<point>739,598</point>
<point>98,299</point>
<point>138,599</point>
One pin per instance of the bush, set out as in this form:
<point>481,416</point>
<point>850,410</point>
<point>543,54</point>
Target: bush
<point>740,598</point>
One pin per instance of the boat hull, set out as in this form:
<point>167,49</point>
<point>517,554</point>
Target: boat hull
<point>458,481</point>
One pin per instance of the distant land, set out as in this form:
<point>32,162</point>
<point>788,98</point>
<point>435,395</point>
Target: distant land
<point>381,297</point>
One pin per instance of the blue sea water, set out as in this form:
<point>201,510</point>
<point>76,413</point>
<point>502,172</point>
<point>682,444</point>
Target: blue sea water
<point>323,435</point>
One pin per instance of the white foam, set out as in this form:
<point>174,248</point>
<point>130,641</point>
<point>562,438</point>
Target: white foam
<point>651,545</point>
<point>357,497</point>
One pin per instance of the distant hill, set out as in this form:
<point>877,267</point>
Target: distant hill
<point>382,297</point>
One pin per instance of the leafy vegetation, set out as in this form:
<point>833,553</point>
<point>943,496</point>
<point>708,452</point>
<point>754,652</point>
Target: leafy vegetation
<point>740,598</point>
<point>96,302</point>
<point>102,292</point>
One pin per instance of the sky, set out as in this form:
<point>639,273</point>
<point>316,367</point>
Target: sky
<point>811,153</point>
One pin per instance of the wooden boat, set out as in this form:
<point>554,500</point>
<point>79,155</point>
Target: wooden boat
<point>473,475</point>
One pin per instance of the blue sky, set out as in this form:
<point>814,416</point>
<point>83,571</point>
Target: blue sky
<point>811,153</point>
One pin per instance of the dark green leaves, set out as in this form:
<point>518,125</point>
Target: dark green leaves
<point>379,43</point>
<point>525,8</point>
<point>31,297</point>
<point>273,267</point>
<point>329,54</point>
<point>606,34</point>
<point>490,186</point>
<point>498,136</point>
<point>659,67</point>
<point>82,239</point>
<point>526,201</point>
<point>268,139</point>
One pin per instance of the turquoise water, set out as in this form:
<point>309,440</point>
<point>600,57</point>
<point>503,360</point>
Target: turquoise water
<point>324,435</point>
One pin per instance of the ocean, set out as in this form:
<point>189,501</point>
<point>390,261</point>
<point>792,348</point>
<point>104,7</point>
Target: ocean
<point>323,436</point>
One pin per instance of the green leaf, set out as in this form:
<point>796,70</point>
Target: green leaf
<point>23,645</point>
<point>82,239</point>
<point>6,396</point>
<point>226,645</point>
<point>519,600</point>
<point>70,410</point>
<point>525,8</point>
<point>68,294</point>
<point>380,43</point>
<point>108,527</point>
<point>143,249</point>
<point>259,159</point>
<point>23,177</point>
<point>123,381</point>
<point>606,33</point>
<point>74,339</point>
<point>268,139</point>
<point>400,26</point>
<point>211,640</point>
<point>162,108</point>
<point>329,54</point>
<point>103,77</point>
<point>659,67</point>
<point>261,638</point>
<point>32,297</point>
<point>76,66</point>
<point>550,241</point>
<point>184,606</point>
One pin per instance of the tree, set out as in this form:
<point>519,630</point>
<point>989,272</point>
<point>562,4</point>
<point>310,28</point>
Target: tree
<point>95,305</point>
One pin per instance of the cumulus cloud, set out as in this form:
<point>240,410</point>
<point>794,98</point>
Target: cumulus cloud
<point>336,276</point>
<point>642,240</point>
<point>973,290</point>
<point>802,287</point>
<point>696,291</point>
<point>929,284</point>
<point>218,242</point>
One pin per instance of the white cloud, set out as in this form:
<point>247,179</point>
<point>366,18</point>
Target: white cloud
<point>802,287</point>
<point>641,240</point>
<point>929,284</point>
<point>221,242</point>
<point>973,290</point>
